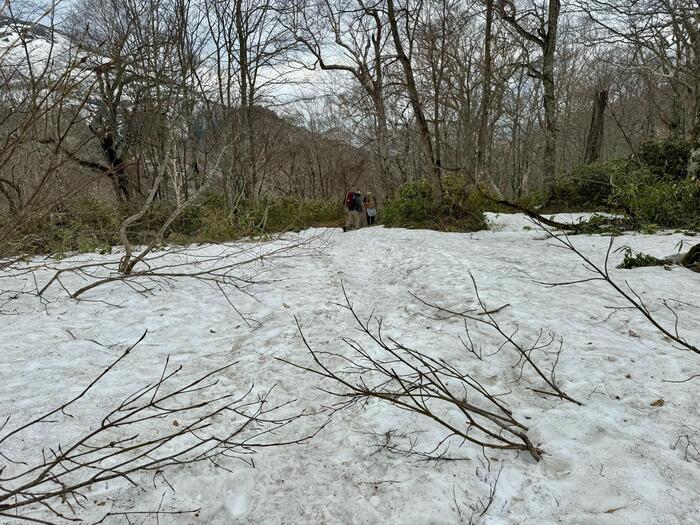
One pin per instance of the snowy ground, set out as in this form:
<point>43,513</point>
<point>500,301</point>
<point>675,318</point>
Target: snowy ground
<point>617,459</point>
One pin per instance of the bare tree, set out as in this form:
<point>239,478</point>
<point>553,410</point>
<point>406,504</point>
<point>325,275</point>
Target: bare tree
<point>360,32</point>
<point>43,94</point>
<point>666,40</point>
<point>251,47</point>
<point>486,88</point>
<point>401,40</point>
<point>539,25</point>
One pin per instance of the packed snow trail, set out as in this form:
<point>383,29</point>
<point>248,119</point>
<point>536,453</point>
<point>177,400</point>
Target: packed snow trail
<point>617,459</point>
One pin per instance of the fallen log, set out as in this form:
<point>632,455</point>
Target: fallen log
<point>691,260</point>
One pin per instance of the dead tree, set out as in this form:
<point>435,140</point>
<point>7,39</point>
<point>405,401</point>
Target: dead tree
<point>594,142</point>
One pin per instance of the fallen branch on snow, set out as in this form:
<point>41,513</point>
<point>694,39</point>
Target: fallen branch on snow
<point>411,380</point>
<point>158,427</point>
<point>485,316</point>
<point>602,273</point>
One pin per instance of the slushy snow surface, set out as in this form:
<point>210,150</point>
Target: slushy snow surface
<point>623,457</point>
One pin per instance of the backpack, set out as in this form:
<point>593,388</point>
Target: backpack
<point>349,200</point>
<point>358,205</point>
<point>353,201</point>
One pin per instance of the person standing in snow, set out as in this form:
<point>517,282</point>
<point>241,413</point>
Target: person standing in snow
<point>371,208</point>
<point>354,209</point>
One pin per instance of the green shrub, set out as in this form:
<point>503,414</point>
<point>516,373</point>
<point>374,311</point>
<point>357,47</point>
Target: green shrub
<point>85,225</point>
<point>270,215</point>
<point>637,260</point>
<point>587,187</point>
<point>656,194</point>
<point>664,202</point>
<point>295,214</point>
<point>413,207</point>
<point>666,158</point>
<point>88,225</point>
<point>534,200</point>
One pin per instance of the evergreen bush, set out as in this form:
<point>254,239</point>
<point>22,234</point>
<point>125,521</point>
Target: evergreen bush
<point>413,207</point>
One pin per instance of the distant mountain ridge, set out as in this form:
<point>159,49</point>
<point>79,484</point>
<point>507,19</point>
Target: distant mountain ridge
<point>285,135</point>
<point>10,28</point>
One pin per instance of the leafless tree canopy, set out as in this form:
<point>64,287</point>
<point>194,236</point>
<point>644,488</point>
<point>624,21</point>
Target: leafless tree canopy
<point>149,100</point>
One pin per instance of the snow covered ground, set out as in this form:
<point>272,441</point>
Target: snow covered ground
<point>620,458</point>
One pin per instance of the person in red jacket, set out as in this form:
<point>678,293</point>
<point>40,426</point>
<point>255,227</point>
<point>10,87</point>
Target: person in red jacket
<point>354,209</point>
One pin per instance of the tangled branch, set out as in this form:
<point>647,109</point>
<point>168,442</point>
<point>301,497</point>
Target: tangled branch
<point>161,426</point>
<point>413,381</point>
<point>602,273</point>
<point>228,268</point>
<point>485,316</point>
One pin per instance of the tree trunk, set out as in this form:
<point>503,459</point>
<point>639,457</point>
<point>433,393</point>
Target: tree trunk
<point>435,171</point>
<point>382,135</point>
<point>692,258</point>
<point>246,131</point>
<point>123,187</point>
<point>546,40</point>
<point>13,195</point>
<point>550,99</point>
<point>482,136</point>
<point>377,93</point>
<point>594,142</point>
<point>694,162</point>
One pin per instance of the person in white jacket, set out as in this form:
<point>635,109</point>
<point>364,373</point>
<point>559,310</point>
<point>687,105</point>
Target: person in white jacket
<point>371,208</point>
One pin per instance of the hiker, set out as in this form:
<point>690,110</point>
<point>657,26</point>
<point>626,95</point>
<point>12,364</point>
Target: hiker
<point>370,208</point>
<point>353,206</point>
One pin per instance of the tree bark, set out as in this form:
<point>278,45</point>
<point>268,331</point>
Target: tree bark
<point>13,195</point>
<point>694,32</point>
<point>594,142</point>
<point>382,135</point>
<point>434,174</point>
<point>377,94</point>
<point>692,258</point>
<point>550,99</point>
<point>245,141</point>
<point>545,37</point>
<point>482,136</point>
